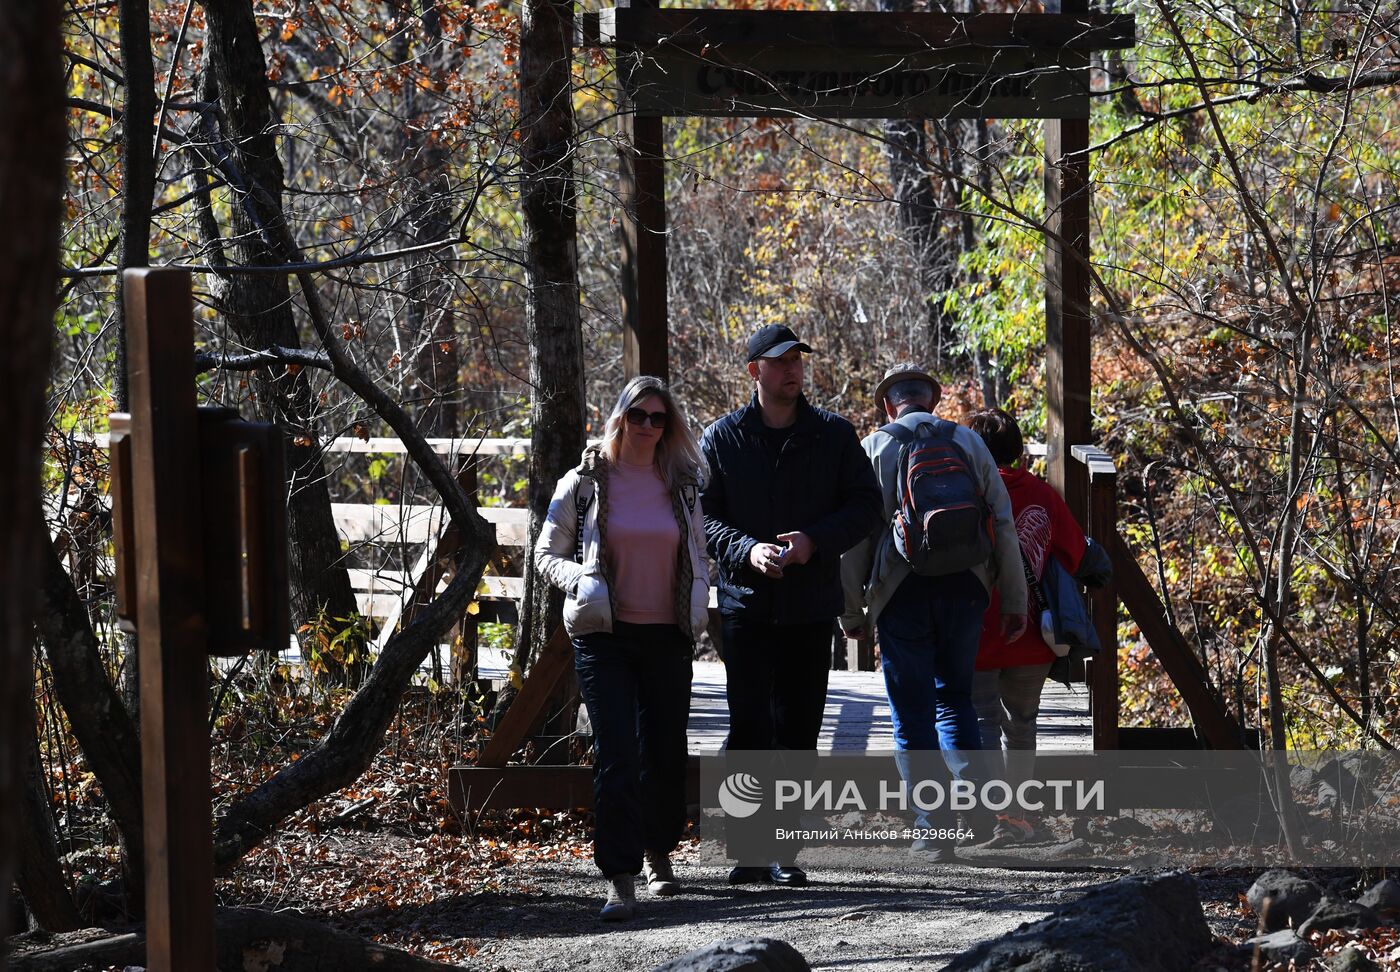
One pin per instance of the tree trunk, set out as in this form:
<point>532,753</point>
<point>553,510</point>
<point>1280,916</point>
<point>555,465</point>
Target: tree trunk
<point>552,323</point>
<point>258,306</point>
<point>31,193</point>
<point>920,215</point>
<point>247,939</point>
<point>101,723</point>
<point>138,163</point>
<point>433,380</point>
<point>40,871</point>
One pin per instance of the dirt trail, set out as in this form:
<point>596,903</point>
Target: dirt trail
<point>847,919</point>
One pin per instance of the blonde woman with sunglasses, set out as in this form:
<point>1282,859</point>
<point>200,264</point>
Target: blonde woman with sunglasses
<point>625,541</point>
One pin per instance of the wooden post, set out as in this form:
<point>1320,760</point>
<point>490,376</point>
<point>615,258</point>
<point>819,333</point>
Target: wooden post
<point>643,192</point>
<point>1067,283</point>
<point>1101,516</point>
<point>173,641</point>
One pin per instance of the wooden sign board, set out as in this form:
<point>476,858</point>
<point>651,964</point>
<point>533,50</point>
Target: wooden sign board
<point>242,488</point>
<point>847,64</point>
<point>793,82</point>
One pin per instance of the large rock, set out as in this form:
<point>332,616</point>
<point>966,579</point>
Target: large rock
<point>1282,899</point>
<point>1280,946</point>
<point>1351,959</point>
<point>1151,923</point>
<point>740,955</point>
<point>1336,913</point>
<point>1383,896</point>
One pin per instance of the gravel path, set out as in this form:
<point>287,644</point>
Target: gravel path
<point>846,919</point>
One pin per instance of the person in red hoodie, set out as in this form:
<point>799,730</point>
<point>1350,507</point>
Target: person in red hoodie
<point>1011,674</point>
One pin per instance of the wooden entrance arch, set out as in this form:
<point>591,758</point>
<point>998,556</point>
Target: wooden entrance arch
<point>820,64</point>
<point>682,62</point>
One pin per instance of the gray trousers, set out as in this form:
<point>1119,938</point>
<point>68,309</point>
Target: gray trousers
<point>1007,701</point>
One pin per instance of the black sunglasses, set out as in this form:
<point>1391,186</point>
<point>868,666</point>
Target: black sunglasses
<point>637,416</point>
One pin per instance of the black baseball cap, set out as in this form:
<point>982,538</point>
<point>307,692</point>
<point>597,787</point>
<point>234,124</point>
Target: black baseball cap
<point>774,340</point>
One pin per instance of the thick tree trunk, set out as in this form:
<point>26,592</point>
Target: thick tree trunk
<point>258,306</point>
<point>103,726</point>
<point>920,212</point>
<point>432,383</point>
<point>40,871</point>
<point>138,162</point>
<point>552,315</point>
<point>31,192</point>
<point>247,939</point>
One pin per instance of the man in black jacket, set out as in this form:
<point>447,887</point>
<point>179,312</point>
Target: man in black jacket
<point>790,490</point>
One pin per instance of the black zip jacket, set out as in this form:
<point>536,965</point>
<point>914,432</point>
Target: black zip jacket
<point>820,483</point>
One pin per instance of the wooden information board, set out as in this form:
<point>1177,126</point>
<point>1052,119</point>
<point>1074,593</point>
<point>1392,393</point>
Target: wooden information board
<point>765,63</point>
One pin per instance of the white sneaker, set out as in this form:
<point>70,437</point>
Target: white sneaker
<point>661,880</point>
<point>622,899</point>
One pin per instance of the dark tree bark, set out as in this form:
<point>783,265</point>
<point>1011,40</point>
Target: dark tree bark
<point>921,215</point>
<point>40,871</point>
<point>138,162</point>
<point>259,307</point>
<point>433,380</point>
<point>552,316</point>
<point>103,726</point>
<point>31,192</point>
<point>246,939</point>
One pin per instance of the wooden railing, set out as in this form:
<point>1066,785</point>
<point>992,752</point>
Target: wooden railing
<point>1214,726</point>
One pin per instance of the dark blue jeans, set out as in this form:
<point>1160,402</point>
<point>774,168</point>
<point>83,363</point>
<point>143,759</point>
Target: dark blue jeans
<point>928,649</point>
<point>636,684</point>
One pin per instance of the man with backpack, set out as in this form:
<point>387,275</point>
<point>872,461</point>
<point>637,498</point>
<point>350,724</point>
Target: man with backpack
<point>924,577</point>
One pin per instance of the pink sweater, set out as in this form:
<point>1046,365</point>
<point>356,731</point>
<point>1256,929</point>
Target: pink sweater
<point>643,541</point>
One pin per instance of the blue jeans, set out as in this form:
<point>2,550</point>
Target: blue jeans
<point>928,649</point>
<point>636,684</point>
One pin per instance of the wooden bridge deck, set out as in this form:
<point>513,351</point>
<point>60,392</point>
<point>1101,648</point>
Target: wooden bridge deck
<point>857,712</point>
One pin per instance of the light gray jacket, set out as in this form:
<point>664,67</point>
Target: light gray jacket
<point>874,568</point>
<point>588,605</point>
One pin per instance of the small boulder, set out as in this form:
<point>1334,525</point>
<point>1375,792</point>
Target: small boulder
<point>740,955</point>
<point>1336,913</point>
<point>1383,896</point>
<point>1147,923</point>
<point>1337,784</point>
<point>1280,946</point>
<point>1351,959</point>
<point>1282,899</point>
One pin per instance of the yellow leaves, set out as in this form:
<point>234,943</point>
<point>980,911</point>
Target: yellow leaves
<point>290,28</point>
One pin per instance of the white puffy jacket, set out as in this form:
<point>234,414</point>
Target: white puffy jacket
<point>588,606</point>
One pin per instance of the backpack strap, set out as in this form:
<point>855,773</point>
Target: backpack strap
<point>944,429</point>
<point>583,496</point>
<point>904,435</point>
<point>898,432</point>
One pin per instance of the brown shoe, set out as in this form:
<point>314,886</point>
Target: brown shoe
<point>622,899</point>
<point>661,880</point>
